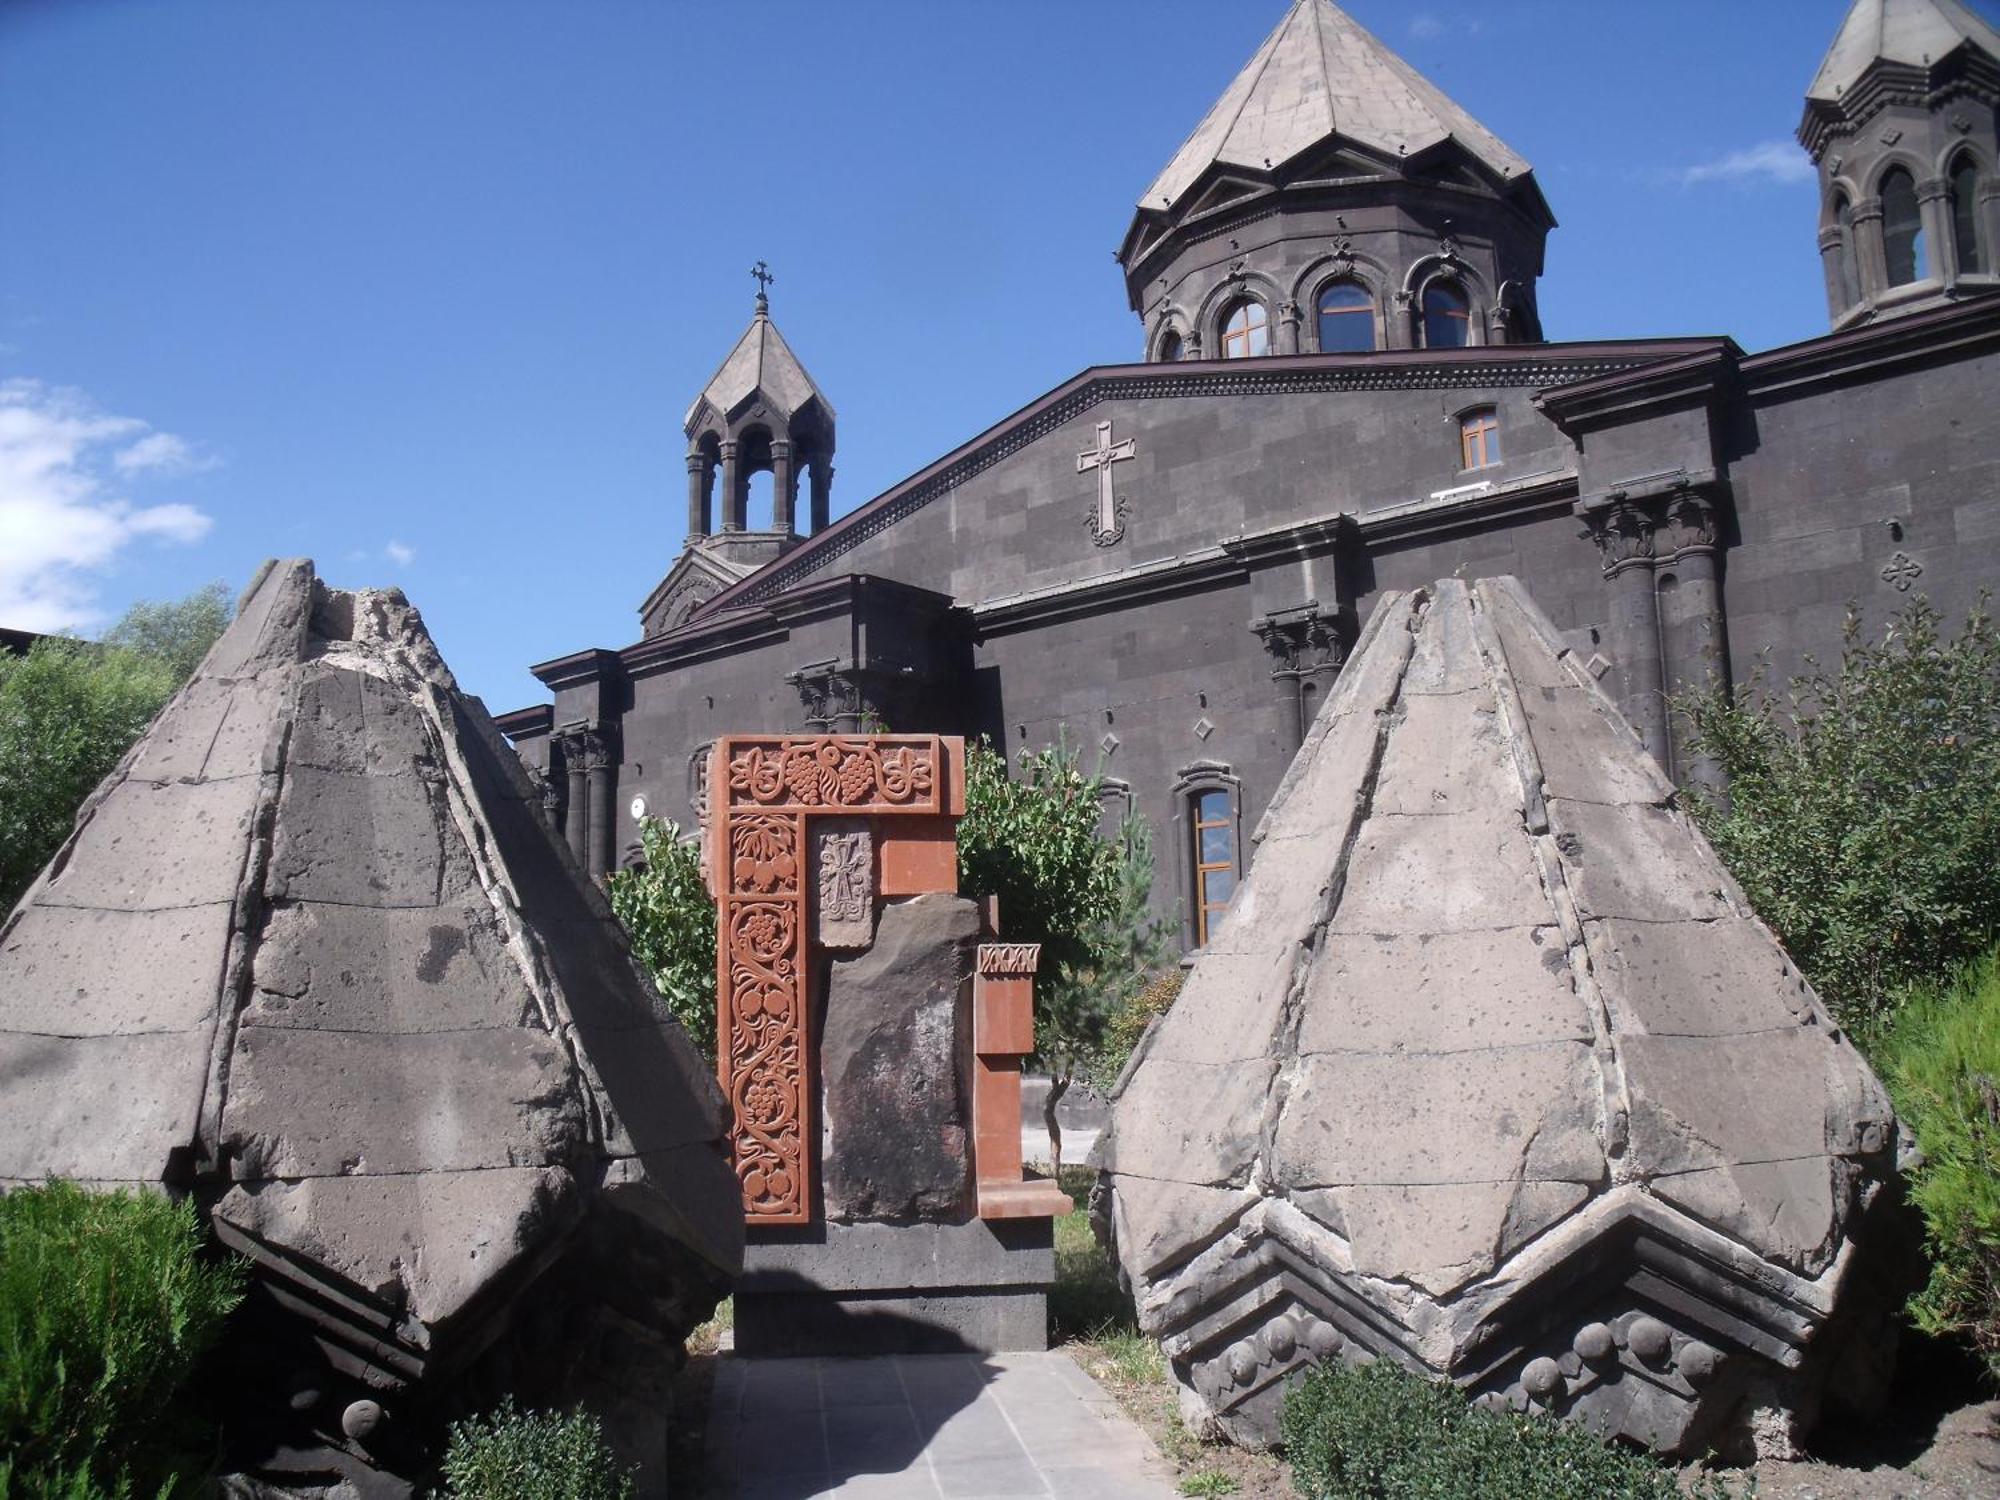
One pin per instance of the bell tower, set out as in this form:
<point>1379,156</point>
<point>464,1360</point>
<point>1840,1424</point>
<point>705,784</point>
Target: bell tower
<point>761,413</point>
<point>1903,123</point>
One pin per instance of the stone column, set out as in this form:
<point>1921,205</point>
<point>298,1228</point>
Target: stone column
<point>697,495</point>
<point>597,769</point>
<point>1691,621</point>
<point>732,490</point>
<point>1871,266</point>
<point>1288,327</point>
<point>576,814</point>
<point>783,485</point>
<point>1623,531</point>
<point>1934,213</point>
<point>822,492</point>
<point>1305,643</point>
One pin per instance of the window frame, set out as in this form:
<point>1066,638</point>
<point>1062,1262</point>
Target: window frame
<point>1226,336</point>
<point>1455,287</point>
<point>1921,253</point>
<point>1366,309</point>
<point>1191,784</point>
<point>1480,423</point>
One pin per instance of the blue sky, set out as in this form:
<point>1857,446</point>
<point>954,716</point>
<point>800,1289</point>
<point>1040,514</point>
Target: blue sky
<point>423,290</point>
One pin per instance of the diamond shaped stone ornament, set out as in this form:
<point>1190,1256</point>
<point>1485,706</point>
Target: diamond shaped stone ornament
<point>313,958</point>
<point>1493,1072</point>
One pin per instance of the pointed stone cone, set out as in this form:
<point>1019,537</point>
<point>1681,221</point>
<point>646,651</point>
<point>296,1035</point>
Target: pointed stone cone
<point>1492,1071</point>
<point>312,956</point>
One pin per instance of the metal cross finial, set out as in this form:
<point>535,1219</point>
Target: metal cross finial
<point>764,279</point>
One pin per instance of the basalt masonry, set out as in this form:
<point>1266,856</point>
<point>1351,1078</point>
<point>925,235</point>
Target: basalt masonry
<point>1492,1072</point>
<point>313,958</point>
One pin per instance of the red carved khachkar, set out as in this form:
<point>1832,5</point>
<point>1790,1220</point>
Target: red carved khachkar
<point>764,791</point>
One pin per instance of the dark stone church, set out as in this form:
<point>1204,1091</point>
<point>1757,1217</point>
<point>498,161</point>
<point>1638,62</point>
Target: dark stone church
<point>1345,389</point>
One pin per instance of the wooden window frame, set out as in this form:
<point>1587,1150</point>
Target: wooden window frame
<point>1463,313</point>
<point>1247,333</point>
<point>1365,309</point>
<point>1479,438</point>
<point>1190,785</point>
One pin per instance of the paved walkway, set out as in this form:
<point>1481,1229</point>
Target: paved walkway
<point>936,1426</point>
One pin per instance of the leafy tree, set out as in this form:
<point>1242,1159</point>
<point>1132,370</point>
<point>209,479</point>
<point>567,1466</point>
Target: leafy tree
<point>1033,842</point>
<point>177,631</point>
<point>70,709</point>
<point>1863,810</point>
<point>670,918</point>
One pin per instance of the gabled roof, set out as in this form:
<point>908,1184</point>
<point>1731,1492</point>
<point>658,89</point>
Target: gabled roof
<point>1914,33</point>
<point>761,361</point>
<point>1320,74</point>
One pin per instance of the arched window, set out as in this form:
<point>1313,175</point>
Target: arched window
<point>1843,254</point>
<point>1346,319</point>
<point>1245,330</point>
<point>1170,347</point>
<point>1447,316</point>
<point>1479,438</point>
<point>1903,249</point>
<point>1964,185</point>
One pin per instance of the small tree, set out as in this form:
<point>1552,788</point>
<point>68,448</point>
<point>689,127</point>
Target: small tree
<point>177,631</point>
<point>69,710</point>
<point>1033,842</point>
<point>670,918</point>
<point>1863,812</point>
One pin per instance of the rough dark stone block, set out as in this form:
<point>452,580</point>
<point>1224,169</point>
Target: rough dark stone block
<point>895,1066</point>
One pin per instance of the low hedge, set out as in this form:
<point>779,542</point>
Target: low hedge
<point>509,1454</point>
<point>1380,1432</point>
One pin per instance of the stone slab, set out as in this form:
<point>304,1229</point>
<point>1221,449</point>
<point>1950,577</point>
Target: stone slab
<point>387,1234</point>
<point>117,1108</point>
<point>876,1257</point>
<point>1441,992</point>
<point>328,1104</point>
<point>1717,978</point>
<point>326,818</point>
<point>386,969</point>
<point>1632,860</point>
<point>1447,753</point>
<point>1456,872</point>
<point>148,847</point>
<point>112,973</point>
<point>916,1322</point>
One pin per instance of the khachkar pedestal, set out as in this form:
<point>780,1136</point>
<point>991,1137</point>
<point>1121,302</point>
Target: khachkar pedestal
<point>870,1043</point>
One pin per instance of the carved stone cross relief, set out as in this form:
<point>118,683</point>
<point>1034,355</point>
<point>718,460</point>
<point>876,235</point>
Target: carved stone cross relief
<point>1107,522</point>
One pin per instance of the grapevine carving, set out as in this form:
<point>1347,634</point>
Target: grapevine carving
<point>763,791</point>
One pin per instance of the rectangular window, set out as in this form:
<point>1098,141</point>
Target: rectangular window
<point>1479,439</point>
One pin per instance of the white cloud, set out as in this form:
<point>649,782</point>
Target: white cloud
<point>61,515</point>
<point>163,453</point>
<point>1766,162</point>
<point>1426,27</point>
<point>400,555</point>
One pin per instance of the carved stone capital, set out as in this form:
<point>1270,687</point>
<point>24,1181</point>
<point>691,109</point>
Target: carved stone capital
<point>1009,960</point>
<point>1623,531</point>
<point>1303,642</point>
<point>1690,524</point>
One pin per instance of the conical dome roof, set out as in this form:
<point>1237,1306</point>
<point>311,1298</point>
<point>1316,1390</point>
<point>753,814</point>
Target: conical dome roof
<point>1491,1069</point>
<point>1912,33</point>
<point>762,363</point>
<point>1320,75</point>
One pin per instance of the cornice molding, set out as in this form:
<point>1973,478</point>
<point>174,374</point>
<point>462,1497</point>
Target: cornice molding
<point>1957,331</point>
<point>1482,367</point>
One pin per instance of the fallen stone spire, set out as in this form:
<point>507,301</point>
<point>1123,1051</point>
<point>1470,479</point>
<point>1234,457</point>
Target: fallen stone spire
<point>1492,1071</point>
<point>313,957</point>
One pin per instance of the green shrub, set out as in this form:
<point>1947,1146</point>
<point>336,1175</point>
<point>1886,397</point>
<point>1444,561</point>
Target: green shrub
<point>1128,1023</point>
<point>524,1455</point>
<point>1379,1432</point>
<point>1863,815</point>
<point>1942,1064</point>
<point>69,710</point>
<point>670,918</point>
<point>105,1306</point>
